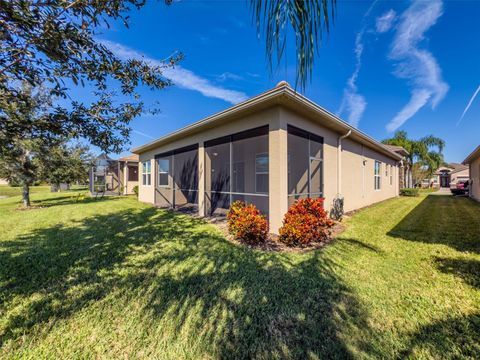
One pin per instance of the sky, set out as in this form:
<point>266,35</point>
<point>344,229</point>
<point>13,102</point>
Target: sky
<point>385,66</point>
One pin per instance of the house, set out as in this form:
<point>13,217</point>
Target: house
<point>473,162</point>
<point>114,177</point>
<point>449,174</point>
<point>3,181</point>
<point>270,150</point>
<point>405,172</point>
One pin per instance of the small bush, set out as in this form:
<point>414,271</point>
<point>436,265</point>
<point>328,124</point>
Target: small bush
<point>305,221</point>
<point>135,190</point>
<point>246,223</point>
<point>409,192</point>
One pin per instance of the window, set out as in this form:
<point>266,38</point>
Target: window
<point>146,173</point>
<point>261,173</point>
<point>163,171</point>
<point>377,171</point>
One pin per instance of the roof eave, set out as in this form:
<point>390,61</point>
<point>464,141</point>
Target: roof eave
<point>234,111</point>
<point>281,95</point>
<point>474,154</point>
<point>345,126</point>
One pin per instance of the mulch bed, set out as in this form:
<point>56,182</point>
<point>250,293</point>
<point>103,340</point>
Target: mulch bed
<point>272,243</point>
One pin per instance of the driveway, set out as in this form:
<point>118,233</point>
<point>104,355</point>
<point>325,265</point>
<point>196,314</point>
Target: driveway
<point>443,191</point>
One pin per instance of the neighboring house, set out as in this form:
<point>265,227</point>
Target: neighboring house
<point>473,162</point>
<point>114,177</point>
<point>449,175</point>
<point>405,179</point>
<point>3,182</point>
<point>269,150</point>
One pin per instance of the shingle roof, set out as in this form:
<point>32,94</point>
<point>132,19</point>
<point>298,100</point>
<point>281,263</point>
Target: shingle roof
<point>397,149</point>
<point>457,167</point>
<point>473,155</point>
<point>132,157</point>
<point>282,95</point>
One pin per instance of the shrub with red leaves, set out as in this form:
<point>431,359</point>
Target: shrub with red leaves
<point>306,221</point>
<point>246,223</point>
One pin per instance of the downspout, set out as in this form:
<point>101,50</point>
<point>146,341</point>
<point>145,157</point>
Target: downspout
<point>339,162</point>
<point>337,206</point>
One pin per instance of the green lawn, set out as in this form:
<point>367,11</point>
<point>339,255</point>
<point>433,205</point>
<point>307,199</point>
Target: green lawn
<point>9,191</point>
<point>115,278</point>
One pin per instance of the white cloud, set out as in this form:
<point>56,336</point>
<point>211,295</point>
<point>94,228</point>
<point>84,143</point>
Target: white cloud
<point>228,76</point>
<point>352,102</point>
<point>469,104</point>
<point>385,22</point>
<point>355,105</point>
<point>180,76</point>
<point>417,65</point>
<point>143,134</point>
<point>418,100</point>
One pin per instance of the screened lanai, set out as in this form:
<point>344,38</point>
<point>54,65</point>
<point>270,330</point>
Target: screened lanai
<point>236,168</point>
<point>176,184</point>
<point>104,176</point>
<point>305,165</point>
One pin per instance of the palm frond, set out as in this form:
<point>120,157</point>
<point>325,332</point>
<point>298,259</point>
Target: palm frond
<point>432,141</point>
<point>308,19</point>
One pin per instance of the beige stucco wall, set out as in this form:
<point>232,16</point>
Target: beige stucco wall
<point>147,193</point>
<point>357,180</point>
<point>357,163</point>
<point>475,179</point>
<point>460,175</point>
<point>130,186</point>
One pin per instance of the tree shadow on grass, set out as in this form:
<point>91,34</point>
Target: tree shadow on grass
<point>236,302</point>
<point>447,220</point>
<point>449,338</point>
<point>71,199</point>
<point>466,269</point>
<point>61,269</point>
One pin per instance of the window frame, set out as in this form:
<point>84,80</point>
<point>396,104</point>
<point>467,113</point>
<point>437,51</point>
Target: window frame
<point>146,173</point>
<point>377,177</point>
<point>262,172</point>
<point>167,186</point>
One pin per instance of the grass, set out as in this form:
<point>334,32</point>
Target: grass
<point>114,278</point>
<point>9,191</point>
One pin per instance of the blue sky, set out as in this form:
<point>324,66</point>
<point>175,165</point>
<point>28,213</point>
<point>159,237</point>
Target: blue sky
<point>386,65</point>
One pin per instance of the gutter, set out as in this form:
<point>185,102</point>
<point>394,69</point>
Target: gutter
<point>275,96</point>
<point>339,162</point>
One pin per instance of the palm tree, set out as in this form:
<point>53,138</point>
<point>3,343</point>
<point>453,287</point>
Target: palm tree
<point>426,152</point>
<point>308,19</point>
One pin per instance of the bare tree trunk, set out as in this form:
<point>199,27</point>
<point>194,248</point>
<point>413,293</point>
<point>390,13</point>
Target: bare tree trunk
<point>26,196</point>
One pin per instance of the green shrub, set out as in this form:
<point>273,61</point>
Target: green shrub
<point>246,223</point>
<point>409,192</point>
<point>135,190</point>
<point>305,221</point>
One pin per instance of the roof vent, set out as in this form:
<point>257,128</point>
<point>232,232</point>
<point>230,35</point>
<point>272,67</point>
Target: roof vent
<point>283,83</point>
